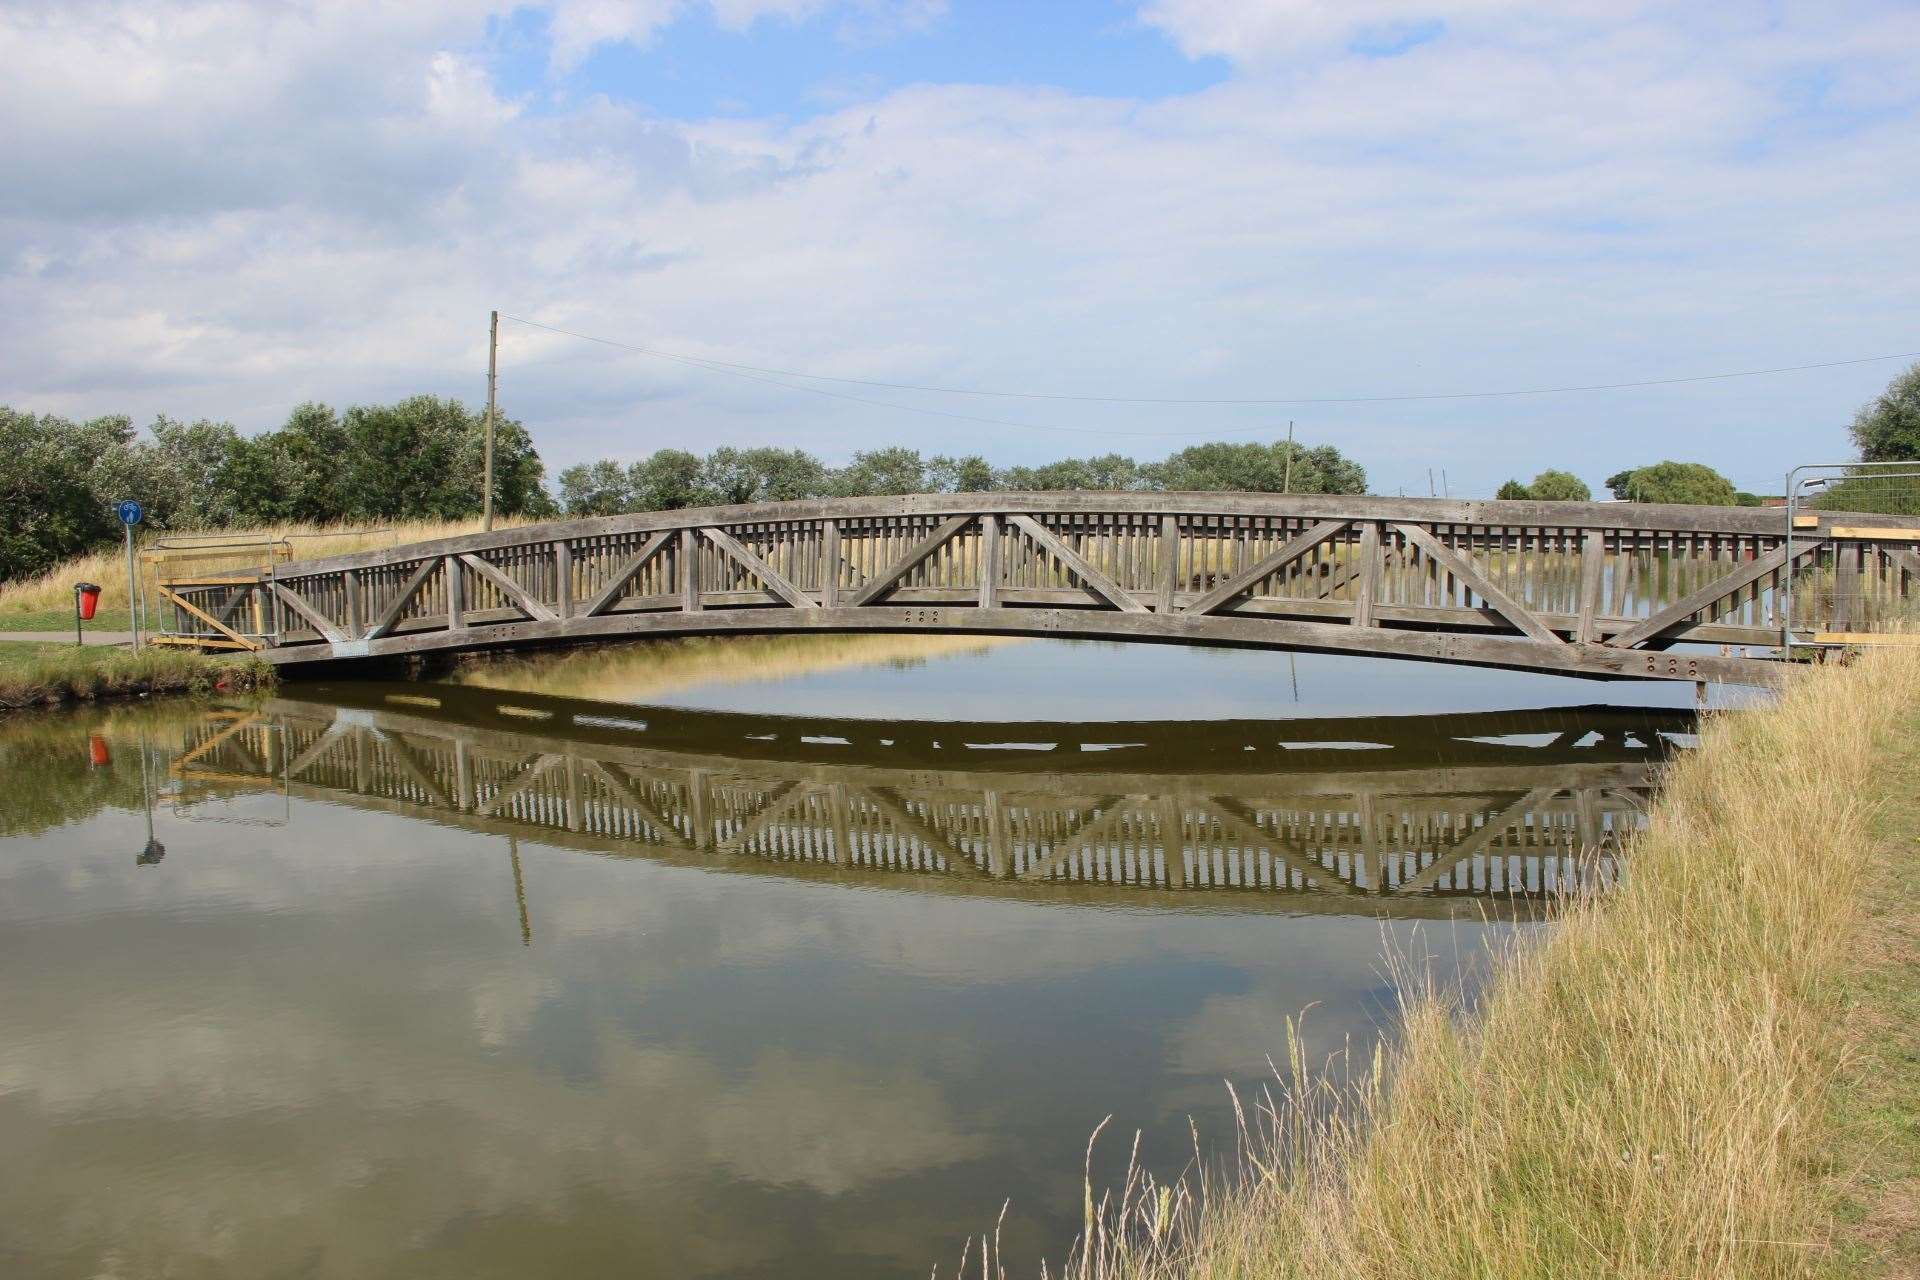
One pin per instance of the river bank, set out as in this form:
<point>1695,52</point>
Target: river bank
<point>1709,1073</point>
<point>36,675</point>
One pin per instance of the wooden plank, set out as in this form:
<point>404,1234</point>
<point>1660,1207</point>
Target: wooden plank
<point>456,596</point>
<point>513,591</point>
<point>1860,533</point>
<point>1477,582</point>
<point>610,591</point>
<point>1169,561</point>
<point>232,635</point>
<point>989,562</point>
<point>830,564</point>
<point>1244,581</point>
<point>690,601</point>
<point>772,578</point>
<point>1865,637</point>
<point>302,606</point>
<point>563,577</point>
<point>1806,522</point>
<point>1593,563</point>
<point>1096,581</point>
<point>1367,595</point>
<point>915,556</point>
<point>519,595</point>
<point>1712,593</point>
<point>391,614</point>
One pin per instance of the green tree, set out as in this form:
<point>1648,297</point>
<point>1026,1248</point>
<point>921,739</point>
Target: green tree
<point>1888,429</point>
<point>424,458</point>
<point>53,478</point>
<point>729,476</point>
<point>882,471</point>
<point>602,488</point>
<point>1257,468</point>
<point>666,480</point>
<point>1688,483</point>
<point>1513,491</point>
<point>971,474</point>
<point>1559,486</point>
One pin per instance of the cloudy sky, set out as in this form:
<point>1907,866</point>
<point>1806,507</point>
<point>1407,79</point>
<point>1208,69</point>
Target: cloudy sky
<point>221,209</point>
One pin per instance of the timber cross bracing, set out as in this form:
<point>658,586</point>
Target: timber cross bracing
<point>1593,589</point>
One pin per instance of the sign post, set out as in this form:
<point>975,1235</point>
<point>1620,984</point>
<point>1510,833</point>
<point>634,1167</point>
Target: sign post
<point>130,514</point>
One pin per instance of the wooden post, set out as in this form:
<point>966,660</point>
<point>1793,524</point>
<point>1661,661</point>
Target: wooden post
<point>563,578</point>
<point>1169,560</point>
<point>689,571</point>
<point>493,368</point>
<point>1593,560</point>
<point>350,581</point>
<point>830,565</point>
<point>1367,591</point>
<point>456,595</point>
<point>989,562</point>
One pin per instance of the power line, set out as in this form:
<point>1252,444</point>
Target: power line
<point>734,371</point>
<point>729,365</point>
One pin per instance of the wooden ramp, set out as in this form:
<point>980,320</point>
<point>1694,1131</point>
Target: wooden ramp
<point>1603,590</point>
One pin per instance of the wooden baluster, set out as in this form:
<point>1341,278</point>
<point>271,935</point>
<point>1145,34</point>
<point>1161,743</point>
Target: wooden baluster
<point>989,562</point>
<point>563,578</point>
<point>689,571</point>
<point>1169,560</point>
<point>1368,591</point>
<point>456,595</point>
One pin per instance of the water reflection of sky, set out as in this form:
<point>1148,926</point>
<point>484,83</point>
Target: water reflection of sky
<point>323,1048</point>
<point>311,1039</point>
<point>1064,680</point>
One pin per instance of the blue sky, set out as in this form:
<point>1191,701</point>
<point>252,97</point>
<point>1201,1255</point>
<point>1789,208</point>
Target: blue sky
<point>776,66</point>
<point>225,209</point>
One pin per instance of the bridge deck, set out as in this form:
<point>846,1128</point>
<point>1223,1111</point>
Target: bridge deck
<point>1591,589</point>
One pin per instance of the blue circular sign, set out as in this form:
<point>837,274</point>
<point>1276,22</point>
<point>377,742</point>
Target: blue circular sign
<point>130,512</point>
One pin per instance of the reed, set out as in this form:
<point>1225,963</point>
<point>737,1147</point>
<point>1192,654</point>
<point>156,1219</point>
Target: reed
<point>1644,1091</point>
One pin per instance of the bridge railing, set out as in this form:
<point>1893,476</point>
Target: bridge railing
<point>1597,588</point>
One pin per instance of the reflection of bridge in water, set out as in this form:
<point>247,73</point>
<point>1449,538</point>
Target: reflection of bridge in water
<point>1399,814</point>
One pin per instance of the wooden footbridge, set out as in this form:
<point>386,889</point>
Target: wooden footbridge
<point>1379,814</point>
<point>1588,589</point>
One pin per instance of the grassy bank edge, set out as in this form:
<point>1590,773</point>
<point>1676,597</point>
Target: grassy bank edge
<point>1875,1099</point>
<point>1659,1088</point>
<point>38,675</point>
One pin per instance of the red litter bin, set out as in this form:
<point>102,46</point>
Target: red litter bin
<point>86,598</point>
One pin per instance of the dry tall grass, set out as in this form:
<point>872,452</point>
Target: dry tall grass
<point>53,591</point>
<point>1640,1094</point>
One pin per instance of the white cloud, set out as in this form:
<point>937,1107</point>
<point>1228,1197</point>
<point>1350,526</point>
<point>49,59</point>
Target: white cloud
<point>225,209</point>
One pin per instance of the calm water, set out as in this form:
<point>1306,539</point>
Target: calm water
<point>749,959</point>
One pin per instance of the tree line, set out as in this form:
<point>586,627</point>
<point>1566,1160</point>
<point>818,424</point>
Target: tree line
<point>672,478</point>
<point>421,458</point>
<point>418,459</point>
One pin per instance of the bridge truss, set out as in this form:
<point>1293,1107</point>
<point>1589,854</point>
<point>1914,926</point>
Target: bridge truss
<point>1589,589</point>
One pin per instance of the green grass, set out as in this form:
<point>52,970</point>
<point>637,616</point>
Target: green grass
<point>1876,1097</point>
<point>36,674</point>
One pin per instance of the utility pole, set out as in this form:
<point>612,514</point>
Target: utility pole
<point>1286,482</point>
<point>493,377</point>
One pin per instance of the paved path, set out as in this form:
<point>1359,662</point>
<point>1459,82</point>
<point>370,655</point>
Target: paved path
<point>66,637</point>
